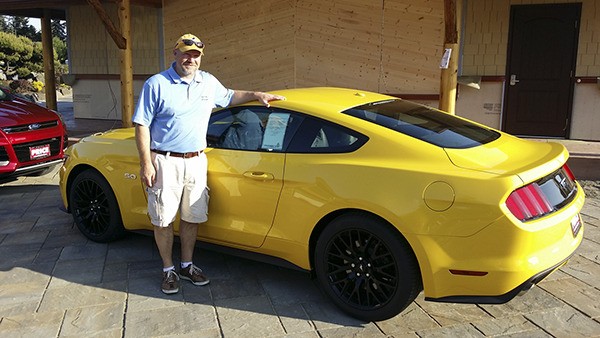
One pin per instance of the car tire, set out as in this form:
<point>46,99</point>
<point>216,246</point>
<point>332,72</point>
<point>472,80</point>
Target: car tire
<point>94,207</point>
<point>366,267</point>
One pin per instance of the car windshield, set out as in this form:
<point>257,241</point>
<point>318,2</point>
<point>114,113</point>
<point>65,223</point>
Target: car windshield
<point>424,123</point>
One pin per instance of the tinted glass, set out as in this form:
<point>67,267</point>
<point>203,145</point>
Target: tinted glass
<point>320,136</point>
<point>252,128</point>
<point>424,123</point>
<point>4,95</point>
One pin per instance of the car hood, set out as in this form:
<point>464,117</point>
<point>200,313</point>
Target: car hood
<point>510,155</point>
<point>18,112</point>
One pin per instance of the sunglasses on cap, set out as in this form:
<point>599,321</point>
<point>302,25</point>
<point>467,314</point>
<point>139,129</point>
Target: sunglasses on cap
<point>189,42</point>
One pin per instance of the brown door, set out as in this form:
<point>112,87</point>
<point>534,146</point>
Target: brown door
<point>540,76</point>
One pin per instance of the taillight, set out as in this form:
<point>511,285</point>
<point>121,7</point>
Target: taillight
<point>548,194</point>
<point>528,202</point>
<point>569,172</point>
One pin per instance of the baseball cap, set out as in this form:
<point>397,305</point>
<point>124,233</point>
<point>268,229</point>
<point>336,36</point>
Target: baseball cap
<point>189,42</point>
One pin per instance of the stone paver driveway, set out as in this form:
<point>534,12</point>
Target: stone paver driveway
<point>55,283</point>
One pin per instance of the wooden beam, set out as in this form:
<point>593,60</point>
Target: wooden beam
<point>48,60</point>
<point>449,65</point>
<point>110,26</point>
<point>450,27</point>
<point>126,64</point>
<point>32,6</point>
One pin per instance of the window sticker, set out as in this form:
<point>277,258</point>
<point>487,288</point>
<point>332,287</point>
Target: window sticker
<point>275,131</point>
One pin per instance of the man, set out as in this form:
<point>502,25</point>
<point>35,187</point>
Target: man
<point>171,121</point>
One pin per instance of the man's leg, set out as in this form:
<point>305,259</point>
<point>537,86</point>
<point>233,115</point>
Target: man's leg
<point>163,236</point>
<point>187,234</point>
<point>164,241</point>
<point>193,209</point>
<point>163,202</point>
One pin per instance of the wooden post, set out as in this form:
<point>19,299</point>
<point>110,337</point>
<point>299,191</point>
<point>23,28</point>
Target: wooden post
<point>449,73</point>
<point>48,56</point>
<point>126,64</point>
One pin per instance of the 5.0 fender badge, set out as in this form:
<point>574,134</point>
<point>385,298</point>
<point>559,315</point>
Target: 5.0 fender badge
<point>129,176</point>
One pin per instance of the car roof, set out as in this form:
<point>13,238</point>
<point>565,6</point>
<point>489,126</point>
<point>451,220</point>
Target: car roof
<point>328,98</point>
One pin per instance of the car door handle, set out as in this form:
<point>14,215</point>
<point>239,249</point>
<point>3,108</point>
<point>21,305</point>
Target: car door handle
<point>259,175</point>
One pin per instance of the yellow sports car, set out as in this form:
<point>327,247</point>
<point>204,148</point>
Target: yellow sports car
<point>378,197</point>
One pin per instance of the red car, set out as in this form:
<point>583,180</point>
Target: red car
<point>32,138</point>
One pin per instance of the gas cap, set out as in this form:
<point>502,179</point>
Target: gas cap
<point>439,196</point>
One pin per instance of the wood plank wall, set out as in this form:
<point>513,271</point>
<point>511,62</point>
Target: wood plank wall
<point>338,43</point>
<point>413,37</point>
<point>249,43</point>
<point>390,46</point>
<point>94,52</point>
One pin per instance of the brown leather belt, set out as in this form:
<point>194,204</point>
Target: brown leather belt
<point>176,154</point>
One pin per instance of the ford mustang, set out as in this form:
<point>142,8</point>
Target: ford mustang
<point>378,197</point>
<point>32,138</point>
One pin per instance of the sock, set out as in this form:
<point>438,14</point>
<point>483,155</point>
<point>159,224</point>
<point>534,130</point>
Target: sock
<point>168,269</point>
<point>185,264</point>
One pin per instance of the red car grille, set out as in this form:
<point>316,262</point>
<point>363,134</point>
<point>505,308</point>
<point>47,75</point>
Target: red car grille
<point>30,127</point>
<point>3,155</point>
<point>23,150</point>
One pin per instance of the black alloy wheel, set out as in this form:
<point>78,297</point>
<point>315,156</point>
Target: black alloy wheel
<point>366,267</point>
<point>94,207</point>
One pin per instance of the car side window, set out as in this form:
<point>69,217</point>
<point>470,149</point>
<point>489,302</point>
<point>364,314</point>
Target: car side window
<point>3,95</point>
<point>252,129</point>
<point>319,136</point>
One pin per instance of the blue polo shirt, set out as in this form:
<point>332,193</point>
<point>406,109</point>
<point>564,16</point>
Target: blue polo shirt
<point>177,112</point>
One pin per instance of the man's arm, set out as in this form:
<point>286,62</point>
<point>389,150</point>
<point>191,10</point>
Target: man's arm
<point>142,140</point>
<point>243,96</point>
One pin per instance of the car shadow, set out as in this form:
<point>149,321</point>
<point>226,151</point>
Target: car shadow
<point>42,247</point>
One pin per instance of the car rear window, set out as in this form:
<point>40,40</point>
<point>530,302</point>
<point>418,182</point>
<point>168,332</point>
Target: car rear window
<point>424,123</point>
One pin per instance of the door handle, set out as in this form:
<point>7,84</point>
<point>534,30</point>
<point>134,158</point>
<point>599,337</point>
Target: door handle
<point>513,80</point>
<point>259,175</point>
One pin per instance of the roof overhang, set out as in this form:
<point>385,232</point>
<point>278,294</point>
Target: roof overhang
<point>35,8</point>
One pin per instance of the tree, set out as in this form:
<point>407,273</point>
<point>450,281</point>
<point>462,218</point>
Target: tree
<point>20,55</point>
<point>21,51</point>
<point>59,29</point>
<point>4,23</point>
<point>60,49</point>
<point>19,25</point>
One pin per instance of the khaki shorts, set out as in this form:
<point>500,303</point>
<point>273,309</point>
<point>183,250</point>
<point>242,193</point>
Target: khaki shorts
<point>180,185</point>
